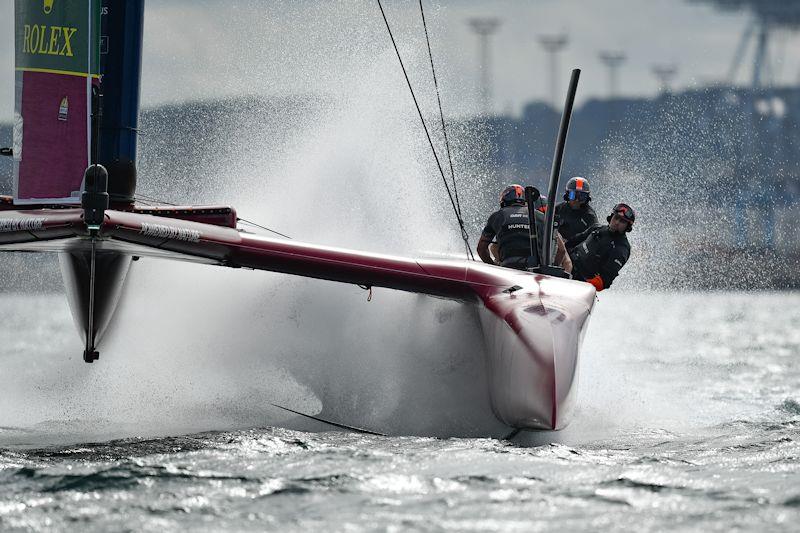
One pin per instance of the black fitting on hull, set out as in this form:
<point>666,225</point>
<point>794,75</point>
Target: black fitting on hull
<point>94,199</point>
<point>531,195</point>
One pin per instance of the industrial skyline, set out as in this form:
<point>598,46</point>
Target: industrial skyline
<point>312,47</point>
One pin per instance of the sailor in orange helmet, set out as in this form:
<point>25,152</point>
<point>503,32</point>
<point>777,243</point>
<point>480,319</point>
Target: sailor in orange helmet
<point>541,205</point>
<point>510,227</point>
<point>605,249</point>
<point>575,214</point>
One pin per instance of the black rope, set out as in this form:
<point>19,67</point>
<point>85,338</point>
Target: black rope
<point>151,199</point>
<point>262,227</point>
<point>148,203</point>
<point>441,112</point>
<point>464,234</point>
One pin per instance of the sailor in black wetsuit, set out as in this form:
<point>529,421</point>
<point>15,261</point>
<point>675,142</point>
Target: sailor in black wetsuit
<point>574,215</point>
<point>510,226</point>
<point>604,250</point>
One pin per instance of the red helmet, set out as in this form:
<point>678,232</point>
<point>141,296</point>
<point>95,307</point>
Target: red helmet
<point>626,212</point>
<point>513,194</point>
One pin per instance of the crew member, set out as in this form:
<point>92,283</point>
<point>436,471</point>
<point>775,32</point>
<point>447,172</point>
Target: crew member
<point>604,250</point>
<point>510,225</point>
<point>574,215</point>
<point>541,205</point>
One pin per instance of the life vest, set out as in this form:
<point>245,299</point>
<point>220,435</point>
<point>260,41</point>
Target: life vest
<point>513,232</point>
<point>572,222</point>
<point>590,256</point>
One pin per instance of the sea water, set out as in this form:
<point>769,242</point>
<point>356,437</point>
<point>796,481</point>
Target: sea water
<point>688,419</point>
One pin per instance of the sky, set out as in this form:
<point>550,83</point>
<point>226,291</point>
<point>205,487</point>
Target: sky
<point>203,49</point>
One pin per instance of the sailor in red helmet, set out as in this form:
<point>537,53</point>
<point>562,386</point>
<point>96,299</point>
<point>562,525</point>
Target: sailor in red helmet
<point>510,227</point>
<point>540,205</point>
<point>575,214</point>
<point>604,250</point>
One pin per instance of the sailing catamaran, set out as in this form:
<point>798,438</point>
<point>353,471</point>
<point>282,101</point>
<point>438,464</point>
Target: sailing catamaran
<point>77,80</point>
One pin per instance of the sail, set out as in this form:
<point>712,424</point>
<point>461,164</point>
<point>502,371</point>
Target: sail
<point>56,63</point>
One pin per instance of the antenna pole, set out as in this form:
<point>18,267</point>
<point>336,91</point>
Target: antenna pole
<point>665,73</point>
<point>552,45</point>
<point>484,28</point>
<point>613,60</point>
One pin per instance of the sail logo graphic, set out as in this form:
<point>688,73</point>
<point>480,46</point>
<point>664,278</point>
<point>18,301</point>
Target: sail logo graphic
<point>63,109</point>
<point>47,7</point>
<point>47,40</point>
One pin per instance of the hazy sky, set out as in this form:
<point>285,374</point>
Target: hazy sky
<point>208,48</point>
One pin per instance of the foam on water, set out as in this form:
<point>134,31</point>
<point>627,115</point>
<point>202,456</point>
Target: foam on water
<point>691,422</point>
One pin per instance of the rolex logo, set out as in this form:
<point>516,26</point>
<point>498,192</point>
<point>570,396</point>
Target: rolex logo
<point>48,6</point>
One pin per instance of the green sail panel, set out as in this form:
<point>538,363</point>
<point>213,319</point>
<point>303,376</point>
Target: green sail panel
<point>55,36</point>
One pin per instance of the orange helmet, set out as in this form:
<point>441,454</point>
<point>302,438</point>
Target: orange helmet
<point>513,194</point>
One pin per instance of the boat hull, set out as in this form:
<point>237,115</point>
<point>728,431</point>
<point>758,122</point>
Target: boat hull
<point>533,339</point>
<point>532,324</point>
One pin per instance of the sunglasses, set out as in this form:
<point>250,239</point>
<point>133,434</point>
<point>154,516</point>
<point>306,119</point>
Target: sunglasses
<point>578,195</point>
<point>623,218</point>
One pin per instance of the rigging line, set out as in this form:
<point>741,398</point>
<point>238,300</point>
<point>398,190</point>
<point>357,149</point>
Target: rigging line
<point>262,227</point>
<point>464,234</point>
<point>441,113</point>
<point>151,199</point>
<point>238,219</point>
<point>152,202</point>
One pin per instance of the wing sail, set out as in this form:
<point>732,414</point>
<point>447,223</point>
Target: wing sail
<point>56,49</point>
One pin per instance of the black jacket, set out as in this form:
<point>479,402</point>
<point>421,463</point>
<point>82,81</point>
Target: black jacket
<point>574,222</point>
<point>510,228</point>
<point>602,252</point>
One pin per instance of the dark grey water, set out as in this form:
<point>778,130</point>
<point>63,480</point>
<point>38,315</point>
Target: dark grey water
<point>689,419</point>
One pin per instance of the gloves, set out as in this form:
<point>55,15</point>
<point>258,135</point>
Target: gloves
<point>597,281</point>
